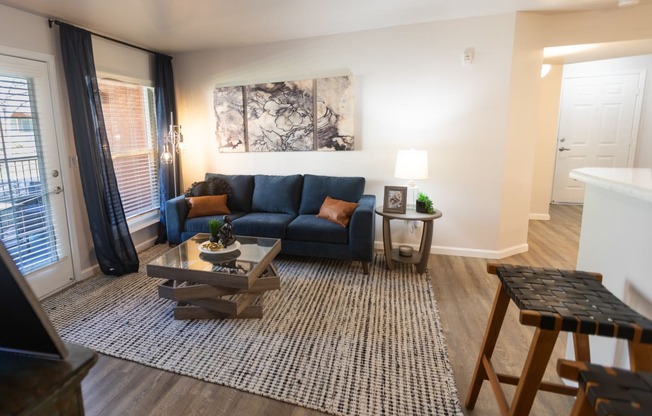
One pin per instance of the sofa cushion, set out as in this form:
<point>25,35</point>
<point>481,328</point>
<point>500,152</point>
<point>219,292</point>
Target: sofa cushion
<point>280,194</point>
<point>318,230</point>
<point>259,224</point>
<point>316,188</point>
<point>243,189</point>
<point>201,206</point>
<point>337,211</point>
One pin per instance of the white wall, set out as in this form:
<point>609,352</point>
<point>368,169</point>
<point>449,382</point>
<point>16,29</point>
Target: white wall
<point>411,90</point>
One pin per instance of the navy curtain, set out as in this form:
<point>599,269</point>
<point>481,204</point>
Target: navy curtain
<point>114,248</point>
<point>166,103</point>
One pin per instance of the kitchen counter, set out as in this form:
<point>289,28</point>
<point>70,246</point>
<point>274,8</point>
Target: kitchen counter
<point>616,240</point>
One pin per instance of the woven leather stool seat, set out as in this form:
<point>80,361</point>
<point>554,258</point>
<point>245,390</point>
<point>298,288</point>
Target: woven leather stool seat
<point>608,391</point>
<point>575,300</point>
<point>554,300</point>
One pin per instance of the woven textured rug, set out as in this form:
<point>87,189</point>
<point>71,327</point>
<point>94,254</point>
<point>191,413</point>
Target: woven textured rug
<point>332,339</point>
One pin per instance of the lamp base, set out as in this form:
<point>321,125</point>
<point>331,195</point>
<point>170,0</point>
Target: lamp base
<point>412,193</point>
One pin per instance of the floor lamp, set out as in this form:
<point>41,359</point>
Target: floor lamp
<point>174,140</point>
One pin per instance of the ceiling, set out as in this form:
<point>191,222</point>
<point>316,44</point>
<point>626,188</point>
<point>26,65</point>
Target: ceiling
<point>173,26</point>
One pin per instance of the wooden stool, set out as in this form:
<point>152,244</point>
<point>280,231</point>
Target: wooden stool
<point>605,391</point>
<point>553,300</point>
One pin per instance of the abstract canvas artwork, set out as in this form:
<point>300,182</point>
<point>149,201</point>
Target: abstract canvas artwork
<point>285,116</point>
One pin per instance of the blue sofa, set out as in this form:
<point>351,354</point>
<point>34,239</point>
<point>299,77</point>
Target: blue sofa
<point>285,207</point>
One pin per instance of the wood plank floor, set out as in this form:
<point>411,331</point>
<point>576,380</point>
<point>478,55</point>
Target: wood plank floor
<point>464,293</point>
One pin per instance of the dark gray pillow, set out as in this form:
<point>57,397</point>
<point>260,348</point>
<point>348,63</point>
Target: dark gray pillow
<point>211,186</point>
<point>243,189</point>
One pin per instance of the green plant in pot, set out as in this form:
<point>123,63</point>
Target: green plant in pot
<point>214,227</point>
<point>424,204</point>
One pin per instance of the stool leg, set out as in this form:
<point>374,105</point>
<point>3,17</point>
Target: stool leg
<point>582,406</point>
<point>582,347</point>
<point>541,348</point>
<point>640,356</point>
<point>496,318</point>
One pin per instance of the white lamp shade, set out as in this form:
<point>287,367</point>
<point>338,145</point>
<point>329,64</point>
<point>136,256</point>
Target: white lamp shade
<point>411,164</point>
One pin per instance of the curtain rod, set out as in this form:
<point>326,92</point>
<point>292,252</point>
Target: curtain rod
<point>57,22</point>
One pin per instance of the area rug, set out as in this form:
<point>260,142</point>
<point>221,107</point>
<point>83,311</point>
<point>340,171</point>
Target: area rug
<point>331,339</point>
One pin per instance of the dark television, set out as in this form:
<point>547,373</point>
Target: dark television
<point>24,326</point>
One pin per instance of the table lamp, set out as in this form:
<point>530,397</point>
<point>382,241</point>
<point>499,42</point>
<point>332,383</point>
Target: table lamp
<point>412,165</point>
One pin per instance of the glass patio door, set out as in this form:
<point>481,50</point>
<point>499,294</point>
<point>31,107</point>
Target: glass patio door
<point>33,221</point>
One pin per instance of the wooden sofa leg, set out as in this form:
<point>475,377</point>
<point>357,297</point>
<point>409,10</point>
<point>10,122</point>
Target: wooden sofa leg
<point>365,267</point>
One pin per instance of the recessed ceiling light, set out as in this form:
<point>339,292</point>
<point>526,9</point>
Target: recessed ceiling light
<point>625,3</point>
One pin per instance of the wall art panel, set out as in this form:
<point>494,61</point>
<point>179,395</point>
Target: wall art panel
<point>334,113</point>
<point>286,116</point>
<point>280,116</point>
<point>230,127</point>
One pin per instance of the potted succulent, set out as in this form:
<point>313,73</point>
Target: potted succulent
<point>424,204</point>
<point>214,225</point>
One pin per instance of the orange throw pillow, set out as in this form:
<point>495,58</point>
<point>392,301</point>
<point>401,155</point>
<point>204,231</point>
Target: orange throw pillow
<point>201,206</point>
<point>337,211</point>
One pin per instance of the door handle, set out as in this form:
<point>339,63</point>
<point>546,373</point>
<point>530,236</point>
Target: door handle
<point>57,190</point>
<point>561,149</point>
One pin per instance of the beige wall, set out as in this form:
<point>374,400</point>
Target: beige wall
<point>519,148</point>
<point>580,28</point>
<point>545,153</point>
<point>411,90</point>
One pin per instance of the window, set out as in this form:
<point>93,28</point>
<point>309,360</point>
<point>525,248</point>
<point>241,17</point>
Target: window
<point>130,117</point>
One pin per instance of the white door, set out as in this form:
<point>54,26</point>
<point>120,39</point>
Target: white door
<point>33,221</point>
<point>598,126</point>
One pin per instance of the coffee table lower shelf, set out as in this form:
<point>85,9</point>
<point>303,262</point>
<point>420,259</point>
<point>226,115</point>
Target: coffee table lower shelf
<point>204,301</point>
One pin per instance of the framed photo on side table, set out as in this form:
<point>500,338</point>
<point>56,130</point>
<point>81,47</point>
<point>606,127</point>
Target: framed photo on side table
<point>395,199</point>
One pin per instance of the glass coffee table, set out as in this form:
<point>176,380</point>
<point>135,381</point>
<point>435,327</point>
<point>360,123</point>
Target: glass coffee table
<point>224,284</point>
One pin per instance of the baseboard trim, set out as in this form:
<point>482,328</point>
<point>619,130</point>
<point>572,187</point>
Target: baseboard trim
<point>90,271</point>
<point>95,269</point>
<point>466,252</point>
<point>539,217</point>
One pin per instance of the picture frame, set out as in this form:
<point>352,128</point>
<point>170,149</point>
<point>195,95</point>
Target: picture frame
<point>395,200</point>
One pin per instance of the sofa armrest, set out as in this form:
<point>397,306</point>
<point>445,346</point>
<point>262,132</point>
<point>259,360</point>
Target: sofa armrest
<point>176,211</point>
<point>362,229</point>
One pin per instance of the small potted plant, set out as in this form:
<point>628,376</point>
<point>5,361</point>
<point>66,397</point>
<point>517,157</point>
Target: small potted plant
<point>214,226</point>
<point>424,204</point>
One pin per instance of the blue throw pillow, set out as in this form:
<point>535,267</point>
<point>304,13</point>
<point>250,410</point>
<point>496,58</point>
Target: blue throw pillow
<point>316,188</point>
<point>280,194</point>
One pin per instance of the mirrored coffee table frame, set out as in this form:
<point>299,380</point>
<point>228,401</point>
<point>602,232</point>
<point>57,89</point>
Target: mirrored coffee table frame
<point>217,285</point>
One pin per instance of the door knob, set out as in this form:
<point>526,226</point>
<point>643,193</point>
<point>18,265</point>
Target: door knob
<point>561,149</point>
<point>58,190</point>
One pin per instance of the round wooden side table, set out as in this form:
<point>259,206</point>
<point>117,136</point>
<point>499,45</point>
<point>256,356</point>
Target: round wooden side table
<point>420,257</point>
